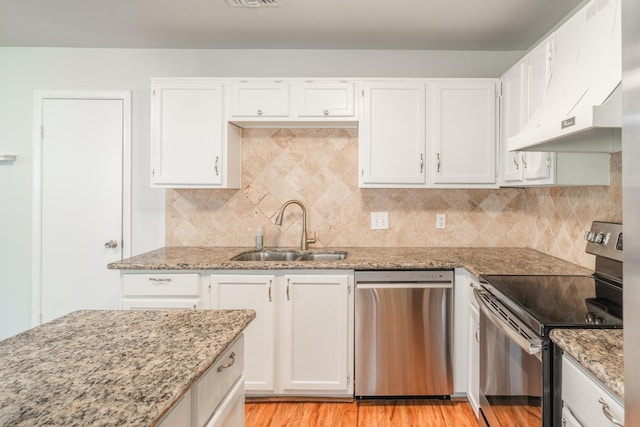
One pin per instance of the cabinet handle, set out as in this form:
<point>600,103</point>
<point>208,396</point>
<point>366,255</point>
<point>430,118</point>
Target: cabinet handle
<point>160,280</point>
<point>421,162</point>
<point>259,112</point>
<point>438,158</point>
<point>524,161</point>
<point>326,112</point>
<point>515,160</point>
<point>478,335</point>
<point>194,306</point>
<point>232,356</point>
<point>270,291</point>
<point>607,413</point>
<point>564,422</point>
<point>288,281</point>
<point>215,165</point>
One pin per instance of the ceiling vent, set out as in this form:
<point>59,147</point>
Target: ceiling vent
<point>252,3</point>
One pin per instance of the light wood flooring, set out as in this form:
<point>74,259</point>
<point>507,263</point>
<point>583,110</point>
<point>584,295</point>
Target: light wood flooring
<point>368,413</point>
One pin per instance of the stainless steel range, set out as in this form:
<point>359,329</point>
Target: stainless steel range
<point>519,367</point>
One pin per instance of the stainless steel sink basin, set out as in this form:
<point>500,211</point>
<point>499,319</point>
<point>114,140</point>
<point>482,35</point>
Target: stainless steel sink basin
<point>267,255</point>
<point>322,256</point>
<point>287,255</point>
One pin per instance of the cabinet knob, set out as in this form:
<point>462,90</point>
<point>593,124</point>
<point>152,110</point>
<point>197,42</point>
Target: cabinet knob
<point>326,112</point>
<point>259,112</point>
<point>111,244</point>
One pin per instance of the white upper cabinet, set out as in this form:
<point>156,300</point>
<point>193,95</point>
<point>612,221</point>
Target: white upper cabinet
<point>462,131</point>
<point>326,99</point>
<point>259,99</point>
<point>513,112</point>
<point>524,88</point>
<point>392,134</point>
<point>190,144</point>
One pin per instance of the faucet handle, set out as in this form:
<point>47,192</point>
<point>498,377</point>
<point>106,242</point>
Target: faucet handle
<point>312,240</point>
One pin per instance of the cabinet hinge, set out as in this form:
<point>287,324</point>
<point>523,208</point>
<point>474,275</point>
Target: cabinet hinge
<point>154,92</point>
<point>549,161</point>
<point>499,90</point>
<point>41,132</point>
<point>362,93</point>
<point>348,379</point>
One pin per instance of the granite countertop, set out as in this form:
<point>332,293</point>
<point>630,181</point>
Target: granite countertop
<point>110,367</point>
<point>599,351</point>
<point>476,260</point>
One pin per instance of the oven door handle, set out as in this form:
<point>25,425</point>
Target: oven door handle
<point>532,347</point>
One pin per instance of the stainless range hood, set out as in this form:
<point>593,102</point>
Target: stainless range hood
<point>582,107</point>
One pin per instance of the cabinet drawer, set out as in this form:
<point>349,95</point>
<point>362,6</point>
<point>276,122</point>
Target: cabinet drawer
<point>581,394</point>
<point>161,303</point>
<point>161,285</point>
<point>214,384</point>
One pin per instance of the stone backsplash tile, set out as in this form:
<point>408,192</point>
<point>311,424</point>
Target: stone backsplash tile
<point>319,167</point>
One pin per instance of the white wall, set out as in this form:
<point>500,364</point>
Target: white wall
<point>23,70</point>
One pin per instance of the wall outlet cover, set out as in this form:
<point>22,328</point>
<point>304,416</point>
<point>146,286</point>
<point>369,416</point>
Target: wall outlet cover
<point>441,221</point>
<point>379,220</point>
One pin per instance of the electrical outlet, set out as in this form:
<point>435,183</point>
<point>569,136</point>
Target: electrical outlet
<point>441,221</point>
<point>379,220</point>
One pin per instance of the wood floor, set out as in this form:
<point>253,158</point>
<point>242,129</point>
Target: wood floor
<point>369,413</point>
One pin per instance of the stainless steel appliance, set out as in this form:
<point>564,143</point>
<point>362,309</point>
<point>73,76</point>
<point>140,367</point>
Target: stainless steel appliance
<point>519,366</point>
<point>631,204</point>
<point>403,336</point>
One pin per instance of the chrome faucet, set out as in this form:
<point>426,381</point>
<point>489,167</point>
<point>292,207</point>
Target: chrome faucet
<point>304,242</point>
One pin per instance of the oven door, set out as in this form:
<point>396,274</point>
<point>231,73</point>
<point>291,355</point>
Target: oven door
<point>511,368</point>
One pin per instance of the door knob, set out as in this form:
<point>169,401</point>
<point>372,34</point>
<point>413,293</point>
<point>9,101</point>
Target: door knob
<point>111,244</point>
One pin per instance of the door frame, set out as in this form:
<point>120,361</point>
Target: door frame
<point>36,239</point>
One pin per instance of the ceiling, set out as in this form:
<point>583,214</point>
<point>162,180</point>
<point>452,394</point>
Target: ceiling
<point>293,24</point>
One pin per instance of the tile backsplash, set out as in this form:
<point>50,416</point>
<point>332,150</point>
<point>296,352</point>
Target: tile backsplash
<point>319,168</point>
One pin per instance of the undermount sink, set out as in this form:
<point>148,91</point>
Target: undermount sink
<point>322,256</point>
<point>284,255</point>
<point>266,255</point>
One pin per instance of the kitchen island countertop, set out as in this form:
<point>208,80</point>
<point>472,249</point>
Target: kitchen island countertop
<point>110,367</point>
<point>599,351</point>
<point>476,260</point>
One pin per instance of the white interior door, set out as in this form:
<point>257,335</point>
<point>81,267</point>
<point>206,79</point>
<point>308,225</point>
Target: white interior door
<point>83,141</point>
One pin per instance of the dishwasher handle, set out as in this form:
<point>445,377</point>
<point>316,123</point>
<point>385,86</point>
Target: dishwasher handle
<point>404,285</point>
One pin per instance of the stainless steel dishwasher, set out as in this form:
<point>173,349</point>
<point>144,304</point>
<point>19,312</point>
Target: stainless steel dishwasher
<point>404,333</point>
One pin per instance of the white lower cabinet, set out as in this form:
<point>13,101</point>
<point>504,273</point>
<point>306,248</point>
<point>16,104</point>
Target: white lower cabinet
<point>473,393</point>
<point>466,378</point>
<point>586,402</point>
<point>217,398</point>
<point>160,290</point>
<point>301,342</point>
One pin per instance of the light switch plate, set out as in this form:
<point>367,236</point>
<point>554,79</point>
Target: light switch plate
<point>379,220</point>
<point>441,221</point>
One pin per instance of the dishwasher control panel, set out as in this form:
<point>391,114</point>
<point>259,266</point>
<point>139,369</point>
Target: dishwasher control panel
<point>404,276</point>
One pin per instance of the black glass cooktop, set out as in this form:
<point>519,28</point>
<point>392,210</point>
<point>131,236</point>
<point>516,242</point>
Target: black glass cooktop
<point>546,302</point>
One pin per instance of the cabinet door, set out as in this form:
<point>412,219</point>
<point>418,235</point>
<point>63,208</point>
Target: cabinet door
<point>314,334</point>
<point>474,358</point>
<point>187,133</point>
<point>537,166</point>
<point>539,63</point>
<point>513,112</point>
<point>254,292</point>
<point>392,134</point>
<point>326,99</point>
<point>259,99</point>
<point>230,413</point>
<point>462,122</point>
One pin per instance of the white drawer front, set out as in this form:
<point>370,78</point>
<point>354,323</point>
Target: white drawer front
<point>216,382</point>
<point>581,393</point>
<point>161,285</point>
<point>180,415</point>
